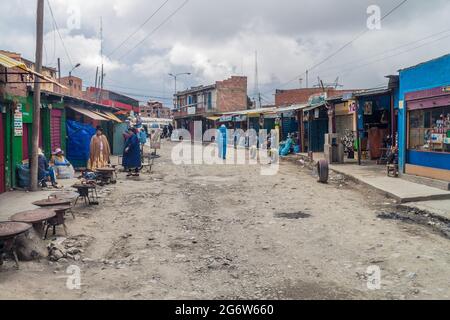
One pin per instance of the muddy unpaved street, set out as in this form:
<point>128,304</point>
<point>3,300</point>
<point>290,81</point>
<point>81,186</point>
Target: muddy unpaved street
<point>226,232</point>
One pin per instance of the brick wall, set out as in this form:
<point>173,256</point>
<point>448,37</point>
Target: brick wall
<point>15,89</point>
<point>301,96</point>
<point>74,87</point>
<point>232,94</point>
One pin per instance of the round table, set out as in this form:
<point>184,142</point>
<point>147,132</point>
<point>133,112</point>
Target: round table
<point>8,234</point>
<point>39,216</point>
<point>52,202</point>
<point>65,195</point>
<point>11,229</point>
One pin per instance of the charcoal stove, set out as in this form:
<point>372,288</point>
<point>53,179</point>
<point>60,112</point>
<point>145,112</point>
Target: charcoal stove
<point>106,176</point>
<point>88,192</point>
<point>8,234</point>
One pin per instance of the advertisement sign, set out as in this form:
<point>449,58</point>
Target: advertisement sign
<point>191,111</point>
<point>155,140</point>
<point>18,124</point>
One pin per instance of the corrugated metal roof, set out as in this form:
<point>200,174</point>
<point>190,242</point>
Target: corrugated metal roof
<point>9,63</point>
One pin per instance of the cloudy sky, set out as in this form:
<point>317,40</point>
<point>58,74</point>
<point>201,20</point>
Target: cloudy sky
<point>215,39</point>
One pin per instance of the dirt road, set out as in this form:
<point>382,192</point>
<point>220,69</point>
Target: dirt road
<point>208,232</point>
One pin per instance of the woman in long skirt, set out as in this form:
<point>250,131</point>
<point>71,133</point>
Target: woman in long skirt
<point>132,154</point>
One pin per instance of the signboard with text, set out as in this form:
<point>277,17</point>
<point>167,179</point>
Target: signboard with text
<point>18,124</point>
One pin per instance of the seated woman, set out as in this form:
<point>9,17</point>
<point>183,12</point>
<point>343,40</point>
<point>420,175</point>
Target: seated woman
<point>45,172</point>
<point>61,165</point>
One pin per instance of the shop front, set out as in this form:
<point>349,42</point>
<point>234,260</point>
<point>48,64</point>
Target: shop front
<point>375,123</point>
<point>316,127</point>
<point>428,133</point>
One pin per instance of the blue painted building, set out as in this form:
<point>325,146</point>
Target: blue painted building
<point>424,119</point>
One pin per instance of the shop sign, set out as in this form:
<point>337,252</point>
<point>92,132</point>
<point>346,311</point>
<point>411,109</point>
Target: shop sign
<point>226,118</point>
<point>446,89</point>
<point>191,110</point>
<point>401,104</point>
<point>18,123</point>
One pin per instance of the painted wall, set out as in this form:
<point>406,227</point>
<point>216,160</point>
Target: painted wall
<point>428,75</point>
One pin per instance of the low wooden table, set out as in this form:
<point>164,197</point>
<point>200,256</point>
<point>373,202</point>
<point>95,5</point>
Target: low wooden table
<point>8,234</point>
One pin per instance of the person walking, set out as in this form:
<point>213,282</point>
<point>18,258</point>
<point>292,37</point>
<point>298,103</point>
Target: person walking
<point>100,151</point>
<point>132,154</point>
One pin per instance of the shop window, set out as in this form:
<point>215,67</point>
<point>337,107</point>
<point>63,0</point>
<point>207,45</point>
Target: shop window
<point>429,130</point>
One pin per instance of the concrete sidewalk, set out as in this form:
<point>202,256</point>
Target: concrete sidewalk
<point>438,207</point>
<point>17,201</point>
<point>402,190</point>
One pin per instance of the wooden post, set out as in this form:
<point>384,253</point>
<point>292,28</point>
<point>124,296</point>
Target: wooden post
<point>37,97</point>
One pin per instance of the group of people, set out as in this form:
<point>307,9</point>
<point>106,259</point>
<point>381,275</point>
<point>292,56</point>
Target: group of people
<point>167,131</point>
<point>100,151</point>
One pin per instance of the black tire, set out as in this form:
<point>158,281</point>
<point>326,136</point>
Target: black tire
<point>323,171</point>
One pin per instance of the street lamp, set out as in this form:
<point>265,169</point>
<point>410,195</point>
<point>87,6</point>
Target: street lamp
<point>76,66</point>
<point>70,77</point>
<point>175,77</point>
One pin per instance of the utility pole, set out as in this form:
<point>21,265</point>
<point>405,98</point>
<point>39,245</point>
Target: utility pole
<point>257,93</point>
<point>100,92</point>
<point>37,96</point>
<point>96,78</point>
<point>307,76</point>
<point>59,70</point>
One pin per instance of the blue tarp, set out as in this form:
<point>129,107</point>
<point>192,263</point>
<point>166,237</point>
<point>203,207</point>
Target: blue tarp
<point>78,142</point>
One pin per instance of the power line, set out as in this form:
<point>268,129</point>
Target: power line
<point>138,29</point>
<point>345,45</point>
<point>394,55</point>
<point>384,52</point>
<point>356,38</point>
<point>156,29</point>
<point>60,37</point>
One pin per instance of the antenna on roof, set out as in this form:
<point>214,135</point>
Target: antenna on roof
<point>324,86</point>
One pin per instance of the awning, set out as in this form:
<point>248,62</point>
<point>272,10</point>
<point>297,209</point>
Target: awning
<point>9,63</point>
<point>108,116</point>
<point>90,114</point>
<point>213,118</point>
<point>291,108</point>
<point>112,116</point>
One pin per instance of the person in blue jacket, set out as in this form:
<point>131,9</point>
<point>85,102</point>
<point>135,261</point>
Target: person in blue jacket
<point>132,154</point>
<point>222,142</point>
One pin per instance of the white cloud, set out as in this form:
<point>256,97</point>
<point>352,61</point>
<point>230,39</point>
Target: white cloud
<point>214,39</point>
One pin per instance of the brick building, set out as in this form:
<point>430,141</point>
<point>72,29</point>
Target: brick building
<point>284,98</point>
<point>111,99</point>
<point>204,102</point>
<point>155,109</point>
<point>74,86</point>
